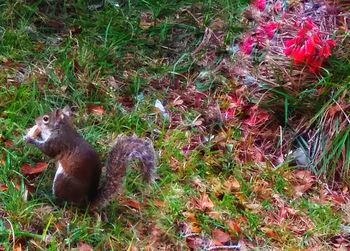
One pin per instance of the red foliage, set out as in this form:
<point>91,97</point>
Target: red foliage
<point>309,46</point>
<point>263,32</point>
<point>270,28</point>
<point>247,44</point>
<point>260,4</point>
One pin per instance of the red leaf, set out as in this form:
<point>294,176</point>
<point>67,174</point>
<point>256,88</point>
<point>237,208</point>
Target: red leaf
<point>229,113</point>
<point>30,187</point>
<point>204,203</point>
<point>256,116</point>
<point>96,109</point>
<point>84,247</point>
<point>234,227</point>
<point>37,168</point>
<point>3,187</point>
<point>8,143</point>
<point>220,237</point>
<point>132,203</point>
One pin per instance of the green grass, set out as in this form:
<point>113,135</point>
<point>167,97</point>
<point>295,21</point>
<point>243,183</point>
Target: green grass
<point>45,67</point>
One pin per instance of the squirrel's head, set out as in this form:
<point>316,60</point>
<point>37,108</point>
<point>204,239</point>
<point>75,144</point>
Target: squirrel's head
<point>54,120</point>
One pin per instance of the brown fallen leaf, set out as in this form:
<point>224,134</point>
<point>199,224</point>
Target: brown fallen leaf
<point>146,20</point>
<point>3,187</point>
<point>158,203</point>
<point>178,101</point>
<point>305,176</point>
<point>17,247</point>
<point>30,187</point>
<point>132,203</point>
<point>220,237</point>
<point>204,203</point>
<point>95,109</point>
<point>269,232</point>
<point>262,188</point>
<point>37,168</point>
<point>84,247</point>
<point>255,207</point>
<point>234,227</point>
<point>232,184</point>
<point>8,143</point>
<point>193,227</point>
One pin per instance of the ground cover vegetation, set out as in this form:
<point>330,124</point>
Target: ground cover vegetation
<point>247,104</point>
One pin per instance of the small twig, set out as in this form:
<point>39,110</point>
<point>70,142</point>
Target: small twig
<point>346,116</point>
<point>13,233</point>
<point>238,246</point>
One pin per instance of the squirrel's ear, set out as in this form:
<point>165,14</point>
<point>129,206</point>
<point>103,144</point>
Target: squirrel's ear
<point>66,111</point>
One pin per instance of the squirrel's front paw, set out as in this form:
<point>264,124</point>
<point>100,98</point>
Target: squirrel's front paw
<point>29,139</point>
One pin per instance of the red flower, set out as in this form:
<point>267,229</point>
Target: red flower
<point>270,28</point>
<point>330,42</point>
<point>309,46</point>
<point>247,45</point>
<point>260,4</point>
<point>298,54</point>
<point>314,64</point>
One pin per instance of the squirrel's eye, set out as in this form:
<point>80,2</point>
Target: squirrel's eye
<point>46,119</point>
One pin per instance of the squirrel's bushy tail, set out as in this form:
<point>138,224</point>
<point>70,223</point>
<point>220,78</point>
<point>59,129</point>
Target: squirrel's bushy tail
<point>126,148</point>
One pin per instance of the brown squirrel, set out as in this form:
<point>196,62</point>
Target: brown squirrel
<point>78,165</point>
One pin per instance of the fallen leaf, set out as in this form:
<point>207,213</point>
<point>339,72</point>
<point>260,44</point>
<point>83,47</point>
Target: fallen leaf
<point>197,122</point>
<point>301,189</point>
<point>253,206</point>
<point>17,247</point>
<point>262,188</point>
<point>30,187</point>
<point>8,143</point>
<point>132,203</point>
<point>194,242</point>
<point>304,175</point>
<point>233,225</point>
<point>37,168</point>
<point>3,187</point>
<point>257,116</point>
<point>303,181</point>
<point>146,20</point>
<point>204,203</point>
<point>220,237</point>
<point>269,232</point>
<point>84,247</point>
<point>74,30</point>
<point>193,226</point>
<point>232,184</point>
<point>112,82</point>
<point>158,203</point>
<point>95,109</point>
<point>178,101</point>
